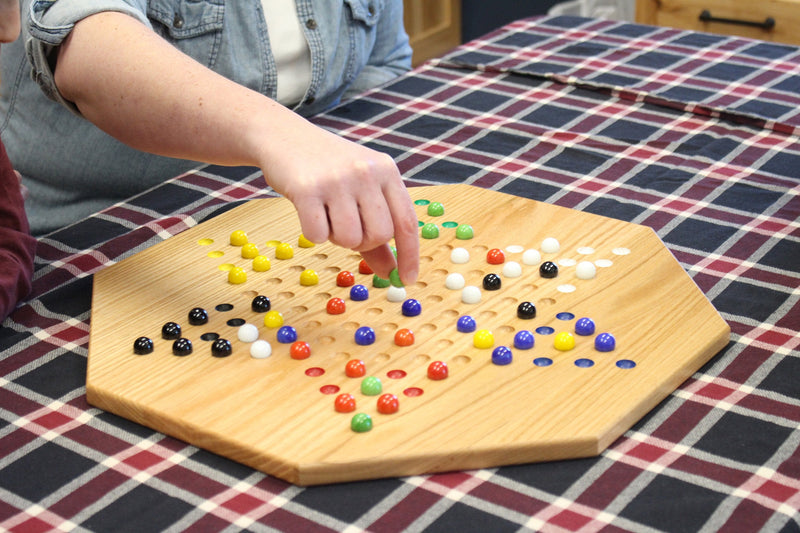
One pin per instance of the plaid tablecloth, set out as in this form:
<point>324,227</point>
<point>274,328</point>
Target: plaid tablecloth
<point>691,134</point>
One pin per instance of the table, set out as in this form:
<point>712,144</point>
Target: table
<point>694,135</point>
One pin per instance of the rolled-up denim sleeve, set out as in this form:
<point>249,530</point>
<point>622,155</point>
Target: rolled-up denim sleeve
<point>49,22</point>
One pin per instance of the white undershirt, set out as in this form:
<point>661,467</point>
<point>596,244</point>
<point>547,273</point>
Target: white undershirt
<point>290,49</point>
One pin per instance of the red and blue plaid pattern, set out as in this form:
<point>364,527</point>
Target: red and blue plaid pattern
<point>691,134</point>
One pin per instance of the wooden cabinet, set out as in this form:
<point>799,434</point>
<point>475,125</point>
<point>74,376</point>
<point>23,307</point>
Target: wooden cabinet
<point>433,26</point>
<point>769,20</point>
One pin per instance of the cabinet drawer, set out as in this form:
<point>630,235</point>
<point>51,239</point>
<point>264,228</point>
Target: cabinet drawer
<point>729,17</point>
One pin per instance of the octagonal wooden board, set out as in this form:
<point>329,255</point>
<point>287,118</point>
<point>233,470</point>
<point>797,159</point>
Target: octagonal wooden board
<point>277,414</point>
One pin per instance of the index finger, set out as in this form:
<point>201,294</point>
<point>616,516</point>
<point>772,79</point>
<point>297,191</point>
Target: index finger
<point>406,231</point>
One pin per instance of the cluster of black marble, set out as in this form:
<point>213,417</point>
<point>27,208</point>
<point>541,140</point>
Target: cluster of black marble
<point>197,317</point>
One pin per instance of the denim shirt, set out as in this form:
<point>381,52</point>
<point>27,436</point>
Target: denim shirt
<point>73,169</point>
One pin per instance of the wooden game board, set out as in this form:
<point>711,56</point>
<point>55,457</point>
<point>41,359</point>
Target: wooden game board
<point>277,414</point>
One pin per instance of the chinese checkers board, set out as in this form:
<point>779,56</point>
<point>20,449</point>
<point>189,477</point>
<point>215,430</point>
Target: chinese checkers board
<point>534,333</point>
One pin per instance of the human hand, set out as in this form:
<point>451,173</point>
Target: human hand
<point>350,195</point>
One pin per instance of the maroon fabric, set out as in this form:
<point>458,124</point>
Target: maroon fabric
<point>17,247</point>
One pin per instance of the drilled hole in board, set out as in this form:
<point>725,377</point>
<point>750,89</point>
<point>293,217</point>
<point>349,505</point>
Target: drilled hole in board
<point>422,358</point>
<point>443,344</point>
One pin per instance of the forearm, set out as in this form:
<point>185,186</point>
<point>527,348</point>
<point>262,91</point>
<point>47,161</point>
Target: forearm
<point>156,99</point>
<point>136,87</point>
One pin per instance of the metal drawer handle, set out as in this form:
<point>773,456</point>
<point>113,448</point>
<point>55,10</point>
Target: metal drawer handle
<point>768,23</point>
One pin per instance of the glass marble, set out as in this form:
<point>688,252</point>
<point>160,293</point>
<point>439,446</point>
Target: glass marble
<point>247,333</point>
<point>526,311</point>
<point>260,304</point>
<point>237,276</point>
<point>286,335</point>
<point>466,324</point>
<point>502,355</point>
<point>430,231</point>
<point>411,307</point>
<point>260,349</point>
<point>364,268</point>
<point>471,294</point>
<point>396,294</point>
<point>404,337</point>
<point>371,386</point>
<point>308,278</point>
<point>438,371</point>
<point>198,316</point>
<point>605,342</point>
<point>379,282</point>
<point>388,404</point>
<point>345,278</point>
<point>238,238</point>
<point>284,251</point>
<point>550,245</point>
<point>182,347</point>
<point>548,270</point>
<point>435,209</point>
<point>512,269</point>
<point>394,278</point>
<point>454,281</point>
<point>355,368</point>
<point>335,306</point>
<point>524,340</point>
<point>483,339</point>
<point>361,423</point>
<point>584,326</point>
<point>531,257</point>
<point>495,256</point>
<point>564,341</point>
<point>364,336</point>
<point>303,242</point>
<point>492,282</point>
<point>359,293</point>
<point>170,331</point>
<point>143,346</point>
<point>344,403</point>
<point>300,350</point>
<point>221,348</point>
<point>459,256</point>
<point>464,232</point>
<point>273,319</point>
<point>585,270</point>
<point>249,251</point>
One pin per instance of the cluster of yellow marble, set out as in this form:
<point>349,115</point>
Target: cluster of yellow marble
<point>261,263</point>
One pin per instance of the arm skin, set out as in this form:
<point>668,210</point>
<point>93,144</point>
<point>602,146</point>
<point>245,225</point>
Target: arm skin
<point>135,86</point>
